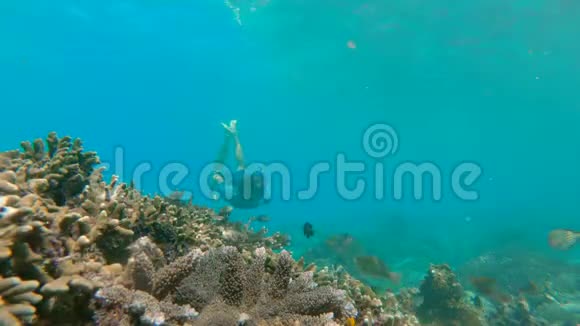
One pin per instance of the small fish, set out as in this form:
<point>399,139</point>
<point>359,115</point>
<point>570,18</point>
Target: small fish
<point>340,241</point>
<point>563,239</point>
<point>176,196</point>
<point>350,321</point>
<point>261,218</point>
<point>224,213</point>
<point>487,286</point>
<point>530,288</point>
<point>375,267</point>
<point>551,298</point>
<point>308,230</point>
<point>484,285</point>
<point>503,298</point>
<point>226,209</point>
<point>572,307</point>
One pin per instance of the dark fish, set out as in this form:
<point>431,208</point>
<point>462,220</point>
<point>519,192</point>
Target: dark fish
<point>261,219</point>
<point>477,302</point>
<point>308,230</point>
<point>375,267</point>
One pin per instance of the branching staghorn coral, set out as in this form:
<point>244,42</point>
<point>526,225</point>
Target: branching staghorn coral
<point>42,235</point>
<point>19,233</point>
<point>60,173</point>
<point>57,210</point>
<point>17,300</point>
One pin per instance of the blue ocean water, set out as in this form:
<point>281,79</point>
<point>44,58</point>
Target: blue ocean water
<point>492,83</point>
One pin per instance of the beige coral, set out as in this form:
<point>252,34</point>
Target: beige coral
<point>17,300</point>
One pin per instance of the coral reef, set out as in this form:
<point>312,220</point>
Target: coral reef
<point>76,250</point>
<point>444,300</point>
<point>372,309</point>
<point>137,295</point>
<point>17,300</point>
<point>540,287</point>
<point>222,285</point>
<point>514,313</point>
<point>250,289</point>
<point>514,270</point>
<point>59,170</point>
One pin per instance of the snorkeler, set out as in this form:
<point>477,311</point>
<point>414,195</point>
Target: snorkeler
<point>233,189</point>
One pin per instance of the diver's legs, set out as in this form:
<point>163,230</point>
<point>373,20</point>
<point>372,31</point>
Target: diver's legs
<point>217,177</point>
<point>233,130</point>
<point>239,153</point>
<point>223,153</point>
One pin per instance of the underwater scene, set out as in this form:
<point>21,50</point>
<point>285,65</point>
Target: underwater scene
<point>290,162</point>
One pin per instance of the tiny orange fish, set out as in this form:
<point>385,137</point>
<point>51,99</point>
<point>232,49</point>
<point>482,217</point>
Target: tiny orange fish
<point>350,322</point>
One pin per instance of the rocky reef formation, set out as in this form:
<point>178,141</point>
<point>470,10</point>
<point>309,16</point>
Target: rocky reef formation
<point>444,300</point>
